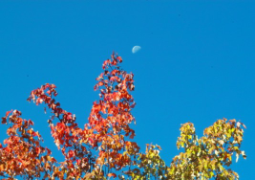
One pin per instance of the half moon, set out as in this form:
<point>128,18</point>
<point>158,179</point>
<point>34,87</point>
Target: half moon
<point>135,49</point>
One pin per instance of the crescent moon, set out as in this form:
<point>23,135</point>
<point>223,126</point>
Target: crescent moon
<point>135,49</point>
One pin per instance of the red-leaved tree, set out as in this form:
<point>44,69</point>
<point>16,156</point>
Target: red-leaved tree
<point>103,148</point>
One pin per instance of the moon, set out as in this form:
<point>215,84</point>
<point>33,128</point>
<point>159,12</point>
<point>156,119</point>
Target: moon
<point>135,49</point>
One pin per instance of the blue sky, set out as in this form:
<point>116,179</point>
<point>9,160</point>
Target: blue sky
<point>196,63</point>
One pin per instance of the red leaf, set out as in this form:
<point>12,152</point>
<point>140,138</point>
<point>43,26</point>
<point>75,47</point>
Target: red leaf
<point>48,151</point>
<point>8,112</point>
<point>71,154</point>
<point>7,141</point>
<point>100,83</point>
<point>37,150</point>
<point>39,101</point>
<point>53,160</point>
<point>78,161</point>
<point>119,58</point>
<point>4,120</point>
<point>106,63</point>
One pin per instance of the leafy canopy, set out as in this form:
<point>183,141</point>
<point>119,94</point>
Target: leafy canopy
<point>103,148</point>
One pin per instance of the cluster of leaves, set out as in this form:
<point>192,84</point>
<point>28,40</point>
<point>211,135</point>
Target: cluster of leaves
<point>208,156</point>
<point>104,147</point>
<point>204,158</point>
<point>23,154</point>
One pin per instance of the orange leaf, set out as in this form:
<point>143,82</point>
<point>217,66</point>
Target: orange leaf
<point>111,175</point>
<point>7,113</point>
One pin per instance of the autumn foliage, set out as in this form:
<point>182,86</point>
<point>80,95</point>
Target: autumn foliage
<point>103,147</point>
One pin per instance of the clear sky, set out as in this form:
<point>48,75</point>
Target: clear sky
<point>196,63</point>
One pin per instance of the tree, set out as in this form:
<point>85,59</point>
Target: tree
<point>104,149</point>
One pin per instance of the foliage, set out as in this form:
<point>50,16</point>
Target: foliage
<point>104,149</point>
